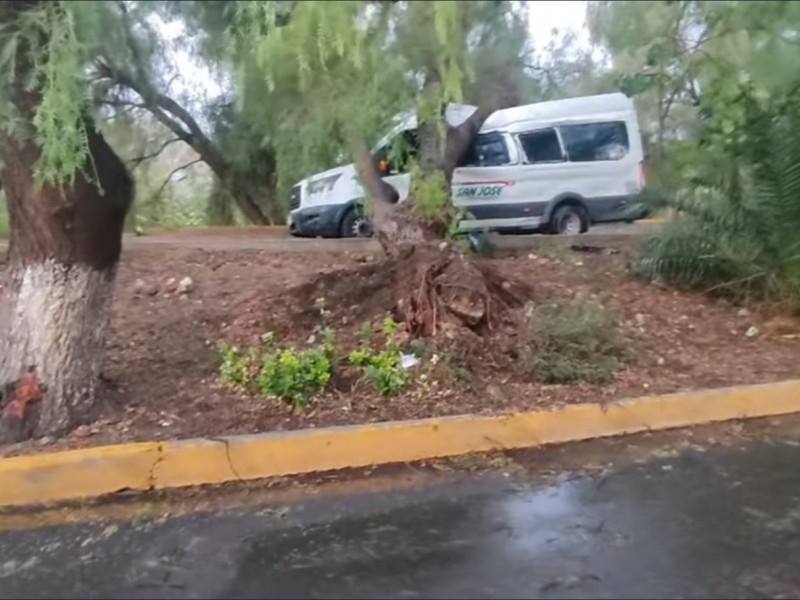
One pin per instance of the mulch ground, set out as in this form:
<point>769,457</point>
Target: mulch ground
<point>162,363</point>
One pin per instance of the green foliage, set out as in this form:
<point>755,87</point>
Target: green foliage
<point>738,236</point>
<point>338,72</point>
<point>382,368</point>
<point>48,35</point>
<point>575,342</point>
<point>219,206</point>
<point>431,196</point>
<point>291,375</point>
<point>235,366</point>
<point>312,80</point>
<point>295,376</point>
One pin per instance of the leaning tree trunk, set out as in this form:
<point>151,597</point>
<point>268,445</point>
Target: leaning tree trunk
<point>438,291</point>
<point>62,259</point>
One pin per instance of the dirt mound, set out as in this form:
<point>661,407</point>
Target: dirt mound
<point>435,293</point>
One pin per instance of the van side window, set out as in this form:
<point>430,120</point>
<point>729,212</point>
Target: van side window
<point>595,141</point>
<point>488,150</point>
<point>541,146</point>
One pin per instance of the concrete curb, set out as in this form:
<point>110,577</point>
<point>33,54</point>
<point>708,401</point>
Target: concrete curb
<point>70,475</point>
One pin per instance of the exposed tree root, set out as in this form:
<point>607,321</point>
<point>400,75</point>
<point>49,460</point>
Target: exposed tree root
<point>439,291</point>
<point>434,290</point>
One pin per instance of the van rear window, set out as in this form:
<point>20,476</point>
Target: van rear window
<point>595,141</point>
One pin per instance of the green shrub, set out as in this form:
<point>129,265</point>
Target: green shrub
<point>575,342</point>
<point>235,366</point>
<point>290,375</point>
<point>295,376</point>
<point>383,369</point>
<point>737,228</point>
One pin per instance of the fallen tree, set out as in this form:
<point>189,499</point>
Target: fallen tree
<point>438,288</point>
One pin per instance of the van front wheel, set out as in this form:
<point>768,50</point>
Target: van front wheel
<point>569,219</point>
<point>355,226</point>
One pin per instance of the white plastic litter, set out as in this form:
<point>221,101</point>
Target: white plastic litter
<point>408,361</point>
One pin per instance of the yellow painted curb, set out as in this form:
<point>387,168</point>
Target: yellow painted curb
<point>44,478</point>
<point>96,471</point>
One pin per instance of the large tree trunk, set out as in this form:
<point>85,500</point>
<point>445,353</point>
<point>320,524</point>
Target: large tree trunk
<point>243,196</point>
<point>62,259</point>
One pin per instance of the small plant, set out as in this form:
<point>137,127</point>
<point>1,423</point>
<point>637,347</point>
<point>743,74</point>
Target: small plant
<point>236,366</point>
<point>367,334</point>
<point>268,339</point>
<point>575,342</point>
<point>324,314</point>
<point>295,376</point>
<point>383,369</point>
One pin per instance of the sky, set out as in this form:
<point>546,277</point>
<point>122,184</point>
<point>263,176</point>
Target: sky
<point>546,15</point>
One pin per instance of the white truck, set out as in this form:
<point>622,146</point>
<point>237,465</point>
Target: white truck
<point>554,167</point>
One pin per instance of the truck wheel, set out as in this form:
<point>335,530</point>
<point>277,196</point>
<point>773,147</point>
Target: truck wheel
<point>569,220</point>
<point>354,226</point>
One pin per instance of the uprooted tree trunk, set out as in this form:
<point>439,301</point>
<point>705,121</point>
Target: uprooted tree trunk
<point>438,290</point>
<point>62,260</point>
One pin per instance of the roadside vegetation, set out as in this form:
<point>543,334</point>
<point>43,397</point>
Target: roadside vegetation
<point>737,233</point>
<point>575,342</point>
<point>298,376</point>
<point>288,89</point>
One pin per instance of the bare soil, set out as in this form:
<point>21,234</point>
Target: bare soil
<point>162,363</point>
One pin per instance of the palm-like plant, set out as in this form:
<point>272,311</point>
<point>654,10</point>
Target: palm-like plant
<point>737,229</point>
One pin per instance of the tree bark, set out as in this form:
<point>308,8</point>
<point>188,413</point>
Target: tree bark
<point>62,260</point>
<point>396,228</point>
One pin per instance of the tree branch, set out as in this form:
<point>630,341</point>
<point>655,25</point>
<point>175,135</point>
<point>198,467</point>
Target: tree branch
<point>135,162</point>
<point>173,116</point>
<point>548,73</point>
<point>173,173</point>
<point>181,122</point>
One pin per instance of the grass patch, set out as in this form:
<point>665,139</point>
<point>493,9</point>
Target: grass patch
<point>568,343</point>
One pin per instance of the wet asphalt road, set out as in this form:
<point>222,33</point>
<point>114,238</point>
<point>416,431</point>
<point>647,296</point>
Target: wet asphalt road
<point>723,522</point>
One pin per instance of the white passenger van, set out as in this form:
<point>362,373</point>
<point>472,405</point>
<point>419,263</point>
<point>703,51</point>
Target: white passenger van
<point>555,167</point>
